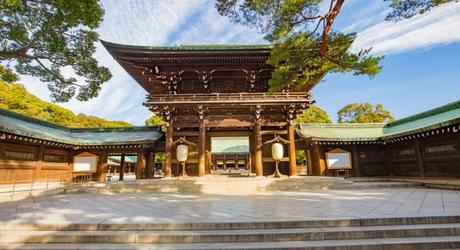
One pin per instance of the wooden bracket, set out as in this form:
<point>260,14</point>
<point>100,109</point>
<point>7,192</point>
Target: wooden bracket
<point>182,140</point>
<point>278,139</point>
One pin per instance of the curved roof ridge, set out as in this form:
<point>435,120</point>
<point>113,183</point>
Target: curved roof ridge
<point>33,119</point>
<point>193,47</point>
<point>425,114</point>
<point>23,125</point>
<point>344,125</point>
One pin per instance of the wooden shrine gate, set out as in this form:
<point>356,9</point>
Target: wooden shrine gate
<point>205,91</point>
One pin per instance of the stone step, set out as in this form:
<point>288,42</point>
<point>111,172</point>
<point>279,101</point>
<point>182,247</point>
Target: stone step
<point>348,222</point>
<point>377,184</point>
<point>209,185</point>
<point>441,242</point>
<point>230,236</point>
<point>386,184</point>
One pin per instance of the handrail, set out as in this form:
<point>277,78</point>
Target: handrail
<point>43,184</point>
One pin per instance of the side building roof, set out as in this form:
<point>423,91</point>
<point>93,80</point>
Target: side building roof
<point>22,125</point>
<point>440,117</point>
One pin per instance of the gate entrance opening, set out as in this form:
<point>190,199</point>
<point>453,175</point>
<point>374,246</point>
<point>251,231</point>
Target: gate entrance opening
<point>230,155</point>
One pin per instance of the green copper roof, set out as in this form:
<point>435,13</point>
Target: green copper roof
<point>428,120</point>
<point>190,47</point>
<point>341,132</point>
<point>18,124</point>
<point>116,160</point>
<point>431,119</point>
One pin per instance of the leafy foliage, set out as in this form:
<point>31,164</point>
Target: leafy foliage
<point>403,9</point>
<point>6,75</point>
<point>54,41</point>
<point>16,98</point>
<point>156,121</point>
<point>302,53</point>
<point>314,114</point>
<point>364,113</point>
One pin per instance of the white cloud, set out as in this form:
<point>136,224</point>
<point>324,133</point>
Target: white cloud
<point>149,22</point>
<point>129,22</point>
<point>439,26</point>
<point>211,28</point>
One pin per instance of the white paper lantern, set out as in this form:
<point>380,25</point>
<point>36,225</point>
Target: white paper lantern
<point>182,152</point>
<point>277,151</point>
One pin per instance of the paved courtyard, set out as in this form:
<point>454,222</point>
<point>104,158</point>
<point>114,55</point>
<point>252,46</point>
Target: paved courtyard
<point>175,207</point>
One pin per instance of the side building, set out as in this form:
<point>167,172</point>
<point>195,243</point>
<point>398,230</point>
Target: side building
<point>33,150</point>
<point>423,145</point>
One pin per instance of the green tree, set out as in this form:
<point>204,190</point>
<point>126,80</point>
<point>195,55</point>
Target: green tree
<point>364,113</point>
<point>314,114</point>
<point>403,9</point>
<point>304,47</point>
<point>54,41</point>
<point>14,97</point>
<point>156,121</point>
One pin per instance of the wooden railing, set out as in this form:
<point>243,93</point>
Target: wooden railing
<point>27,187</point>
<point>222,97</point>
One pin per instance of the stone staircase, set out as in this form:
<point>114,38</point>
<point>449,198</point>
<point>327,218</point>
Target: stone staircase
<point>372,233</point>
<point>214,185</point>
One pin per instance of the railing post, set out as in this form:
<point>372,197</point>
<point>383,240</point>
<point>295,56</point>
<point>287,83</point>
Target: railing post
<point>47,180</point>
<point>14,186</point>
<point>31,187</point>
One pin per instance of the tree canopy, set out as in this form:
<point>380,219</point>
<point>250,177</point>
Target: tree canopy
<point>314,114</point>
<point>364,113</point>
<point>304,48</point>
<point>53,41</point>
<point>156,121</point>
<point>403,9</point>
<point>14,97</point>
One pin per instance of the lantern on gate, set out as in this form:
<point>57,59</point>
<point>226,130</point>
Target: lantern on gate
<point>277,154</point>
<point>277,151</point>
<point>182,152</point>
<point>181,156</point>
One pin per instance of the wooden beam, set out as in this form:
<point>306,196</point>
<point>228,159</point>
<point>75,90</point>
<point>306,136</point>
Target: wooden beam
<point>419,153</point>
<point>102,166</point>
<point>202,148</point>
<point>122,167</point>
<point>355,160</point>
<point>140,164</point>
<point>258,149</point>
<point>274,132</point>
<point>149,164</point>
<point>168,151</point>
<point>292,160</point>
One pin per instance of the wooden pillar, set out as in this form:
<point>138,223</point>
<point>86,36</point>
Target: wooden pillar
<point>168,151</point>
<point>68,175</point>
<point>122,167</point>
<point>388,160</point>
<point>258,149</point>
<point>355,160</point>
<point>292,160</point>
<point>149,164</point>
<point>102,166</point>
<point>38,171</point>
<point>140,164</point>
<point>320,166</point>
<point>309,161</point>
<point>202,148</point>
<point>418,150</point>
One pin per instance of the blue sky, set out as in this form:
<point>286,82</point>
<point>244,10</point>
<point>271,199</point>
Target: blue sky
<point>421,69</point>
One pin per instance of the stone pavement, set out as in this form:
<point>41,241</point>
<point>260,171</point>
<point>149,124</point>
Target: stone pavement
<point>264,206</point>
